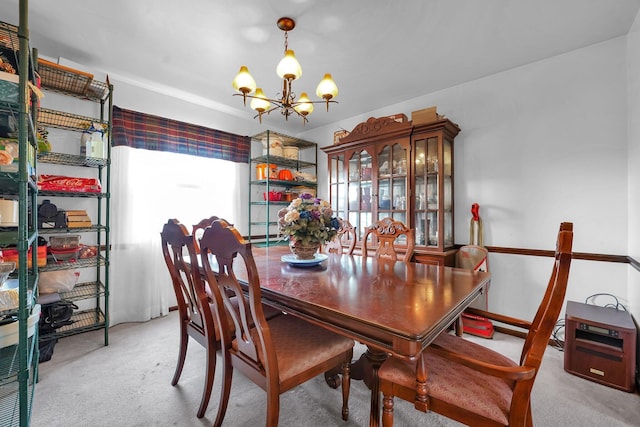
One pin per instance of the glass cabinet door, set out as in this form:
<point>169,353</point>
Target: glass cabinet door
<point>338,185</point>
<point>392,183</point>
<point>447,195</point>
<point>433,200</point>
<point>360,187</point>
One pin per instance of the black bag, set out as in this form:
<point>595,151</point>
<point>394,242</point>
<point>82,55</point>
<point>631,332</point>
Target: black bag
<point>52,317</point>
<point>46,349</point>
<point>56,315</point>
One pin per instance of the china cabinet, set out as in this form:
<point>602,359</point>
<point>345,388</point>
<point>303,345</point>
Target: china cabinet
<point>280,167</point>
<point>18,325</point>
<point>389,167</point>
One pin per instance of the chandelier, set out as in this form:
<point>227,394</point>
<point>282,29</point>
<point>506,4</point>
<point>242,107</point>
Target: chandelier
<point>288,69</point>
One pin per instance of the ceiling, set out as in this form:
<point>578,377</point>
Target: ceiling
<point>379,53</point>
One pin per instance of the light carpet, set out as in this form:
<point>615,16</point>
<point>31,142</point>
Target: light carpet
<point>127,383</point>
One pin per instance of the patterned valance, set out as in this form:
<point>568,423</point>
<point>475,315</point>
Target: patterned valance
<point>140,130</point>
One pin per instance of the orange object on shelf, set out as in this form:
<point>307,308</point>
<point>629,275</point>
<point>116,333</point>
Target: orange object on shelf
<point>12,255</point>
<point>285,175</point>
<point>261,170</point>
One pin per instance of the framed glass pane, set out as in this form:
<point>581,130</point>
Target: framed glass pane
<point>448,229</point>
<point>365,220</point>
<point>419,231</point>
<point>432,193</point>
<point>354,196</point>
<point>447,157</point>
<point>341,200</point>
<point>399,160</point>
<point>432,228</point>
<point>448,202</point>
<point>354,168</point>
<point>421,194</point>
<point>340,169</point>
<point>385,196</point>
<point>366,166</point>
<point>420,158</point>
<point>354,218</point>
<point>365,196</point>
<point>384,166</point>
<point>399,194</point>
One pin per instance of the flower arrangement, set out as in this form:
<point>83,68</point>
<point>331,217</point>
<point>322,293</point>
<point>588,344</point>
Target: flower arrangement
<point>308,220</point>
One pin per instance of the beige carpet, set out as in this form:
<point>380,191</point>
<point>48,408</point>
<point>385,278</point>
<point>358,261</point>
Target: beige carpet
<point>128,384</point>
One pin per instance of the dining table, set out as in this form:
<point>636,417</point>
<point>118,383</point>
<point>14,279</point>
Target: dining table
<point>394,308</point>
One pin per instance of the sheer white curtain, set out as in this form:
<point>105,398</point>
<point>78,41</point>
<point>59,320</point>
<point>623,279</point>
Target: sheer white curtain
<point>148,188</point>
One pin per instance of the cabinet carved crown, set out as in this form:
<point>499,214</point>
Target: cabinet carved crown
<point>377,125</point>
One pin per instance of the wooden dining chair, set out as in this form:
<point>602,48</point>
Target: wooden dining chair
<point>475,385</point>
<point>196,315</point>
<point>198,229</point>
<point>386,232</point>
<point>195,304</point>
<point>278,354</point>
<point>345,240</point>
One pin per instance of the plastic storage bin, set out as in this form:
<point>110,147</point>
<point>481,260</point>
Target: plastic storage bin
<point>64,242</point>
<point>11,254</point>
<point>9,332</point>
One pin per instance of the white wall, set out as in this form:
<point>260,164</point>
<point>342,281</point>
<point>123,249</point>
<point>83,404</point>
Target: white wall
<point>540,144</point>
<point>633,75</point>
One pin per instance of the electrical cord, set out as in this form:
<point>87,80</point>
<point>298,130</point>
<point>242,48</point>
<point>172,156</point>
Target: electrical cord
<point>617,305</point>
<point>558,343</point>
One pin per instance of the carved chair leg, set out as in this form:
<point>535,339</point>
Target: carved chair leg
<point>346,385</point>
<point>387,411</point>
<point>182,354</point>
<point>227,377</point>
<point>208,383</point>
<point>273,407</point>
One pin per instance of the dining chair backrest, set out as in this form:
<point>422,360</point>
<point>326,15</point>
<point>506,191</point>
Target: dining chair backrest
<point>198,229</point>
<point>386,232</point>
<point>224,243</point>
<point>196,317</point>
<point>549,309</point>
<point>344,241</point>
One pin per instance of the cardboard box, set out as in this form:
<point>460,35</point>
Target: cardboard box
<point>426,115</point>
<point>78,219</point>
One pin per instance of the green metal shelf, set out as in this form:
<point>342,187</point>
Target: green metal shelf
<point>282,161</point>
<point>71,160</point>
<point>18,363</point>
<point>283,183</point>
<point>67,82</point>
<point>53,265</point>
<point>71,194</point>
<point>84,291</point>
<point>83,321</point>
<point>67,230</point>
<point>67,121</point>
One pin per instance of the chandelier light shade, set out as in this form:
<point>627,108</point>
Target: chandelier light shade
<point>289,67</point>
<point>244,83</point>
<point>288,70</point>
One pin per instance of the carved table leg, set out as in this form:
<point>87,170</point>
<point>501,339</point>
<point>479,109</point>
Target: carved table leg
<point>366,369</point>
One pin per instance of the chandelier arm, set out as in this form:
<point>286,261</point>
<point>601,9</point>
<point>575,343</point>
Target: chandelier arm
<point>310,102</point>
